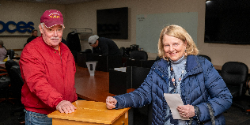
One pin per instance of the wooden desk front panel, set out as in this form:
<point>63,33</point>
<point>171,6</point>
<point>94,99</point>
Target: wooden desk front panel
<point>67,122</point>
<point>121,121</point>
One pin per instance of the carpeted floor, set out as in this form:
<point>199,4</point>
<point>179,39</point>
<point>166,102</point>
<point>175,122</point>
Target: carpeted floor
<point>234,116</point>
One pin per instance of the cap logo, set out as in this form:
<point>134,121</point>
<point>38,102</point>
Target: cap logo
<point>54,15</point>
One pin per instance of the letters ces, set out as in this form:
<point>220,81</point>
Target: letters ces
<point>21,26</point>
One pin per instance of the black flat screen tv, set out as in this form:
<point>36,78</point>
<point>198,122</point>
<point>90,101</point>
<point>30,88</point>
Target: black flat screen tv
<point>113,23</point>
<point>227,21</point>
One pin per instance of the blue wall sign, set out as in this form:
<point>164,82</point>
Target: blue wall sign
<point>21,27</point>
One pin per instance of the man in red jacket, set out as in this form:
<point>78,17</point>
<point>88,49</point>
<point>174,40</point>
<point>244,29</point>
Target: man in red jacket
<point>48,70</point>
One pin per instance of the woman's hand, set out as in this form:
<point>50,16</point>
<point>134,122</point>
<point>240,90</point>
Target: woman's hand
<point>186,111</point>
<point>110,102</point>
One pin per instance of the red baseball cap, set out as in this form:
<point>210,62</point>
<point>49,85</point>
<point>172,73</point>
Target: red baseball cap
<point>51,18</point>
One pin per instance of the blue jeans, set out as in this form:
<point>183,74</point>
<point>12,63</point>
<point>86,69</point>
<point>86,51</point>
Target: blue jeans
<point>33,118</point>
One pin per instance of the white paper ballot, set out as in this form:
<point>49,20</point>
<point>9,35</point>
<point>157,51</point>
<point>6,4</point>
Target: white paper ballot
<point>174,100</point>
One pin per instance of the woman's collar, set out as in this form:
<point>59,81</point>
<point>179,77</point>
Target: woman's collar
<point>178,61</point>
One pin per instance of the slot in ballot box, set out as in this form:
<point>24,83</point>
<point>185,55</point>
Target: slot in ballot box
<point>91,113</point>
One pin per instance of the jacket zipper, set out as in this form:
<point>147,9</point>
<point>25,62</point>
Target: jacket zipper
<point>60,54</point>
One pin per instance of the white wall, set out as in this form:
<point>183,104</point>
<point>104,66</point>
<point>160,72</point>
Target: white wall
<point>22,11</point>
<point>83,15</point>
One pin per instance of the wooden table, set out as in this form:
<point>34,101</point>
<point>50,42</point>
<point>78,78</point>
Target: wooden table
<point>92,88</point>
<point>91,113</point>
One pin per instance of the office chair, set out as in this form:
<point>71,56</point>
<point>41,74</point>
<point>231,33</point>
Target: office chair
<point>16,81</point>
<point>127,51</point>
<point>9,64</point>
<point>205,56</point>
<point>235,76</point>
<point>136,57</point>
<point>134,47</point>
<point>4,86</point>
<point>5,81</point>
<point>139,55</point>
<point>124,56</point>
<point>11,53</point>
<point>16,86</point>
<point>123,50</point>
<point>147,64</point>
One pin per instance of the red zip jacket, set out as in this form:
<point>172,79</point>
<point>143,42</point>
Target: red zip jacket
<point>48,77</point>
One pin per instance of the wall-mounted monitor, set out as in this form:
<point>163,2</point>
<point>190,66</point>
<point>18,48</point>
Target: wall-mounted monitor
<point>227,21</point>
<point>113,23</point>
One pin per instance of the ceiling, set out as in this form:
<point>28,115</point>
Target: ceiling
<point>54,1</point>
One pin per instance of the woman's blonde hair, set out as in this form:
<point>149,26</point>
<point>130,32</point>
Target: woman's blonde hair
<point>180,33</point>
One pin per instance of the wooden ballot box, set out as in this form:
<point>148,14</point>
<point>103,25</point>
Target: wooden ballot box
<point>91,113</point>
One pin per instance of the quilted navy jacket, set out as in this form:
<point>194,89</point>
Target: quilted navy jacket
<point>202,84</point>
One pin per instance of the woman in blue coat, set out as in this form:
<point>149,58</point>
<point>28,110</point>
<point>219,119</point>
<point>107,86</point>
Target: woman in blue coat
<point>179,71</point>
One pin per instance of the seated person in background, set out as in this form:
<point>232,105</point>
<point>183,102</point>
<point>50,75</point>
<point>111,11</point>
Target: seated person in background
<point>33,36</point>
<point>3,51</point>
<point>181,72</point>
<point>104,46</point>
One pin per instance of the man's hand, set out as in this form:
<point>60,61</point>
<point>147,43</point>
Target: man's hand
<point>65,107</point>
